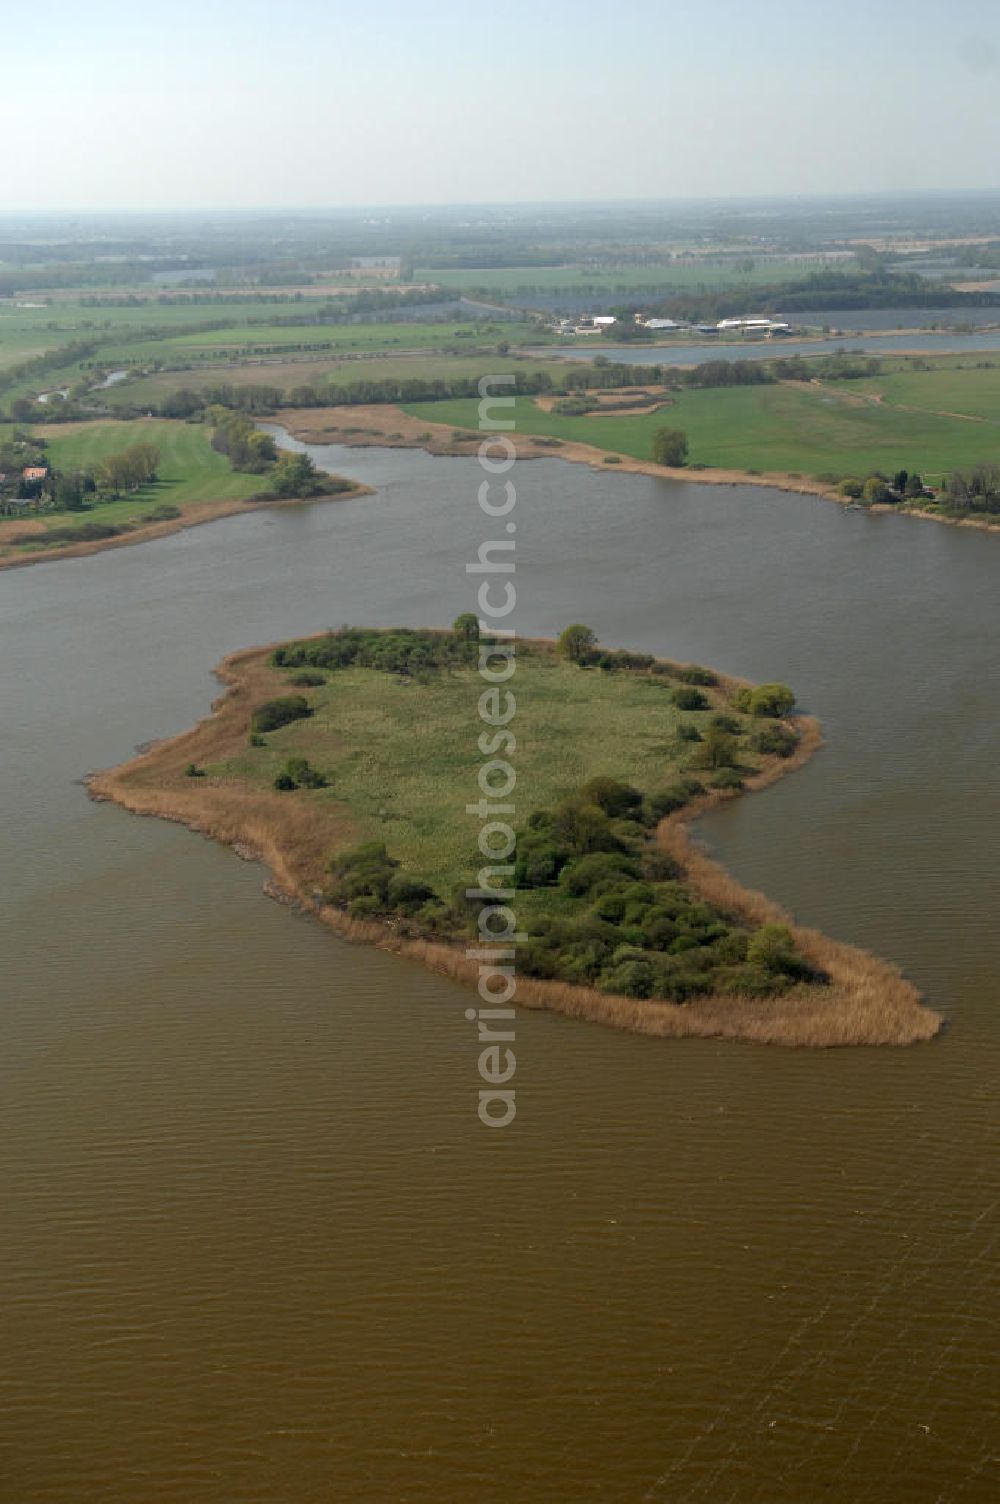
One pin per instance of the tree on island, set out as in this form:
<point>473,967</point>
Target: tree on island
<point>466,626</point>
<point>774,700</point>
<point>577,642</point>
<point>670,446</point>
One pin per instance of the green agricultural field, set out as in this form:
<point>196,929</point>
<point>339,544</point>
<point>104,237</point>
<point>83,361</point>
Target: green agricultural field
<point>805,430</point>
<point>74,318</point>
<point>152,334</point>
<point>320,372</point>
<point>123,334</point>
<point>629,278</point>
<point>970,390</point>
<point>241,339</point>
<point>19,343</point>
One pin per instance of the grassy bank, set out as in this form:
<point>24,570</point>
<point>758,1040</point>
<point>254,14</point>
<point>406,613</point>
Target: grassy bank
<point>809,430</point>
<point>391,761</point>
<point>194,484</point>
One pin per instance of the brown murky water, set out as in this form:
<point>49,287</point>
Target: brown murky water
<point>257,1248</point>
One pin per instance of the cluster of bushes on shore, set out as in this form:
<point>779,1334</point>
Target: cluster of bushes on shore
<point>368,882</point>
<point>879,489</point>
<point>251,449</point>
<point>975,490</point>
<point>632,925</point>
<point>401,650</point>
<point>604,907</point>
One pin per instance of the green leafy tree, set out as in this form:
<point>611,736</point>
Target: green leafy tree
<point>466,626</point>
<point>577,642</point>
<point>718,749</point>
<point>670,446</point>
<point>773,948</point>
<point>775,700</point>
<point>875,490</point>
<point>294,475</point>
<point>68,492</point>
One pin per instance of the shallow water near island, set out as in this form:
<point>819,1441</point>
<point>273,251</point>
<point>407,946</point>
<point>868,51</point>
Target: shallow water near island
<point>257,1246</point>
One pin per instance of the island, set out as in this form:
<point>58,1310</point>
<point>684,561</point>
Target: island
<point>348,764</point>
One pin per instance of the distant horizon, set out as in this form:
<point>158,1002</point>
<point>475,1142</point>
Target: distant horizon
<point>845,197</point>
<point>228,106</point>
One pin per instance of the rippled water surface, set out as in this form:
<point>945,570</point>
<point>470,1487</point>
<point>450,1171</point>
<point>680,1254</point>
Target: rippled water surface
<point>257,1248</point>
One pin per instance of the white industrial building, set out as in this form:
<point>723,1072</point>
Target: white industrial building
<point>753,326</point>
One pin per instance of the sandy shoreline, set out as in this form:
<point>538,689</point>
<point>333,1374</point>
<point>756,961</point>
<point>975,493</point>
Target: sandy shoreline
<point>383,425</point>
<point>867,1002</point>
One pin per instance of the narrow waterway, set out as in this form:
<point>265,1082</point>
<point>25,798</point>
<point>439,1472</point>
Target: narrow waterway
<point>677,353</point>
<point>257,1248</point>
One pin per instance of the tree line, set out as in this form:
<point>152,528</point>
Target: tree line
<point>837,291</point>
<point>129,470</point>
<point>261,399</point>
<point>974,490</point>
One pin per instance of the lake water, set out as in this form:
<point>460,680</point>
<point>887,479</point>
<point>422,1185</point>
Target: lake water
<point>257,1248</point>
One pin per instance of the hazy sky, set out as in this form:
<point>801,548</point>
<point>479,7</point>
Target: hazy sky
<point>241,103</point>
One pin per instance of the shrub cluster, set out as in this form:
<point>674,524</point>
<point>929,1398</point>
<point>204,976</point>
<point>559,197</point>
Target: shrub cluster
<point>280,712</point>
<point>235,435</point>
<point>772,700</point>
<point>623,921</point>
<point>367,882</point>
<point>774,741</point>
<point>402,650</point>
<point>84,532</point>
<point>299,773</point>
<point>307,678</point>
<point>975,490</point>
